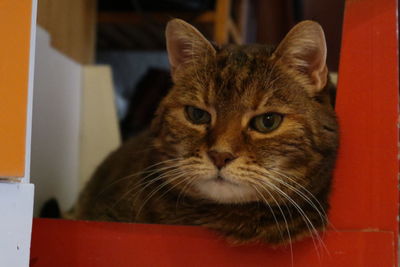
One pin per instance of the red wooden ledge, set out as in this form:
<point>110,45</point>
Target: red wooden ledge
<point>78,243</point>
<point>365,194</point>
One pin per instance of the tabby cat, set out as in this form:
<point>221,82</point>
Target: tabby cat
<point>244,143</point>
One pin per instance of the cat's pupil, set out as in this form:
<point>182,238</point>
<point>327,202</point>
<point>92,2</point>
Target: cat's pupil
<point>198,114</point>
<point>269,120</point>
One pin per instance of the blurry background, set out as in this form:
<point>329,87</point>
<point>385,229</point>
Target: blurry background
<point>102,68</point>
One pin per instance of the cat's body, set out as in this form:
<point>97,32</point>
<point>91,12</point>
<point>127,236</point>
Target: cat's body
<point>244,143</point>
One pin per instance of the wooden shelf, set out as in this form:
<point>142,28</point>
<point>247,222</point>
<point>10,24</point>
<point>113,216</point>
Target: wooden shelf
<point>78,243</point>
<point>365,190</point>
<point>160,17</point>
<point>123,29</point>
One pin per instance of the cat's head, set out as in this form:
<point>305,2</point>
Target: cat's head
<point>247,123</point>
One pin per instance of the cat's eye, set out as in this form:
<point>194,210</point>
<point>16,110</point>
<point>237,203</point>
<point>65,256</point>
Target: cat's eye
<point>197,116</point>
<point>267,122</point>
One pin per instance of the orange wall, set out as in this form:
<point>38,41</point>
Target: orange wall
<point>15,23</point>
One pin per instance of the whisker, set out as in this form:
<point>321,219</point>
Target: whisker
<point>158,178</point>
<point>150,172</point>
<point>164,171</point>
<point>144,185</point>
<point>321,212</point>
<point>270,208</point>
<point>307,220</point>
<point>157,189</point>
<point>190,182</point>
<point>310,201</point>
<point>173,186</point>
<point>284,218</point>
<point>176,168</point>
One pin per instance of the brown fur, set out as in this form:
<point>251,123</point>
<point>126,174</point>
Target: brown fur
<point>233,84</point>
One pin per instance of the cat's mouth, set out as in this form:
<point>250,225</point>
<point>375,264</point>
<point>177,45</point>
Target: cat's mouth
<point>221,180</point>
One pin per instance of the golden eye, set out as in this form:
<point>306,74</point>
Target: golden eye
<point>197,116</point>
<point>267,122</point>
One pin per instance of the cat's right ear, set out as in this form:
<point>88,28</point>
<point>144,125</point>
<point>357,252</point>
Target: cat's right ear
<point>304,50</point>
<point>185,45</point>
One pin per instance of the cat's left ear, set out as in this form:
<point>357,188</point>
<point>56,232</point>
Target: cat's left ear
<point>304,50</point>
<point>186,45</point>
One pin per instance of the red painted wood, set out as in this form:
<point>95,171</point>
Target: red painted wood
<point>365,194</point>
<point>366,182</point>
<point>77,243</point>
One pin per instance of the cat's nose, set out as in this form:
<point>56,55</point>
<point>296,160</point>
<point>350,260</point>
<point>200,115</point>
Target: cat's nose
<point>220,159</point>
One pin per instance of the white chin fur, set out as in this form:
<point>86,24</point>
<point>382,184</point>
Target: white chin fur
<point>225,192</point>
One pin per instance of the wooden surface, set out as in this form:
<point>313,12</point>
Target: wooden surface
<point>81,243</point>
<point>132,18</point>
<point>221,23</point>
<point>72,26</point>
<point>15,26</point>
<point>119,29</point>
<point>365,190</point>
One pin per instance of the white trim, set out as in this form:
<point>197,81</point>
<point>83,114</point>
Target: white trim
<point>30,94</point>
<point>15,224</point>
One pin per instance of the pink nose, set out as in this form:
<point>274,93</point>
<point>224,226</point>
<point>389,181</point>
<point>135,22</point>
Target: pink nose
<point>220,159</point>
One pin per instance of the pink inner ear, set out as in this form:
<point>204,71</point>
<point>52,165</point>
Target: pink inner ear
<point>177,52</point>
<point>316,66</point>
<point>320,77</point>
<point>185,43</point>
<point>311,63</point>
<point>304,49</point>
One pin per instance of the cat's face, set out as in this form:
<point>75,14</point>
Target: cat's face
<point>242,125</point>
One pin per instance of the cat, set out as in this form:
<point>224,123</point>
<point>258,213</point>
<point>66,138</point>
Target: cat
<point>244,143</point>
